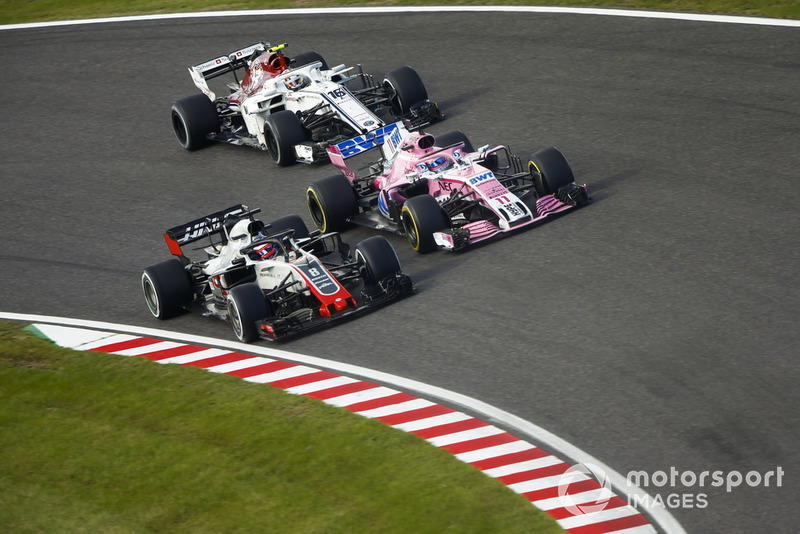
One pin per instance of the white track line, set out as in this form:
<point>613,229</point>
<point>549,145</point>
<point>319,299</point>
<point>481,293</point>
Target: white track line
<point>608,12</point>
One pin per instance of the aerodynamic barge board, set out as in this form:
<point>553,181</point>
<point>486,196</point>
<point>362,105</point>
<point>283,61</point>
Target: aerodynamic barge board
<point>578,502</point>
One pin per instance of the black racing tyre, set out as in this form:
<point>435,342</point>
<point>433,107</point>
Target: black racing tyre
<point>422,216</point>
<point>331,201</point>
<point>309,57</point>
<point>246,305</point>
<point>193,118</point>
<point>283,130</point>
<point>378,259</point>
<point>550,171</point>
<point>167,288</point>
<point>289,221</point>
<point>406,89</point>
<point>452,137</point>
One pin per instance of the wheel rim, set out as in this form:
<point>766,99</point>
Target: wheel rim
<point>364,267</point>
<point>272,145</point>
<point>150,295</point>
<point>395,99</point>
<point>236,319</point>
<point>539,181</point>
<point>180,129</point>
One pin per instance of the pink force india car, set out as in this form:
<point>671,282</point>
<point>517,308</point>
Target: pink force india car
<point>438,191</point>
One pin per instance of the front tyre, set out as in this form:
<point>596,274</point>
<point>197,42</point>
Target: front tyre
<point>331,201</point>
<point>421,217</point>
<point>550,171</point>
<point>306,58</point>
<point>246,305</point>
<point>193,119</point>
<point>282,131</point>
<point>168,288</point>
<point>377,259</point>
<point>295,222</point>
<point>453,137</point>
<point>405,88</point>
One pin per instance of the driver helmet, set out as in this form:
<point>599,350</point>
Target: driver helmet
<point>267,251</point>
<point>297,81</point>
<point>439,164</point>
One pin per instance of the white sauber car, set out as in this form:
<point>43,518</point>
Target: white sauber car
<point>294,107</point>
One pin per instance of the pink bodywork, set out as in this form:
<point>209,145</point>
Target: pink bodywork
<point>408,161</point>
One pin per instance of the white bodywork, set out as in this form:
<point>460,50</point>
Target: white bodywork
<point>274,93</point>
<point>298,267</point>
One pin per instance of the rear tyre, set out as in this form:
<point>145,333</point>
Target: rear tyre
<point>309,57</point>
<point>193,119</point>
<point>289,221</point>
<point>167,288</point>
<point>405,88</point>
<point>421,217</point>
<point>282,131</point>
<point>246,305</point>
<point>452,137</point>
<point>550,171</point>
<point>378,259</point>
<point>331,201</point>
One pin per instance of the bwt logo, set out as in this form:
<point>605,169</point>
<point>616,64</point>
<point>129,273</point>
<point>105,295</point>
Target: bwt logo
<point>481,178</point>
<point>353,146</point>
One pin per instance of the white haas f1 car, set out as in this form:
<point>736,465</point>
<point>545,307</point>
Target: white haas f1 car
<point>295,107</point>
<point>440,192</point>
<point>271,280</point>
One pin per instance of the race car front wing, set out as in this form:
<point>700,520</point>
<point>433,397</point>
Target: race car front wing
<point>565,199</point>
<point>305,320</point>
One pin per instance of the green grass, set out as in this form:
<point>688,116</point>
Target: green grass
<point>101,443</point>
<point>18,11</point>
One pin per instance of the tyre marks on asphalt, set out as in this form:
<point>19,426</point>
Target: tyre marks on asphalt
<point>582,506</point>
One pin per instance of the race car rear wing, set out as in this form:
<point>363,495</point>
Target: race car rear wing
<point>218,66</point>
<point>203,227</point>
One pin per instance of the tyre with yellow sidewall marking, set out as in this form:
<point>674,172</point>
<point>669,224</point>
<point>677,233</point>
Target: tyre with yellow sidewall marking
<point>330,202</point>
<point>550,171</point>
<point>421,217</point>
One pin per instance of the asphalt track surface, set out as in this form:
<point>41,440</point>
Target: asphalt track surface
<point>656,328</point>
